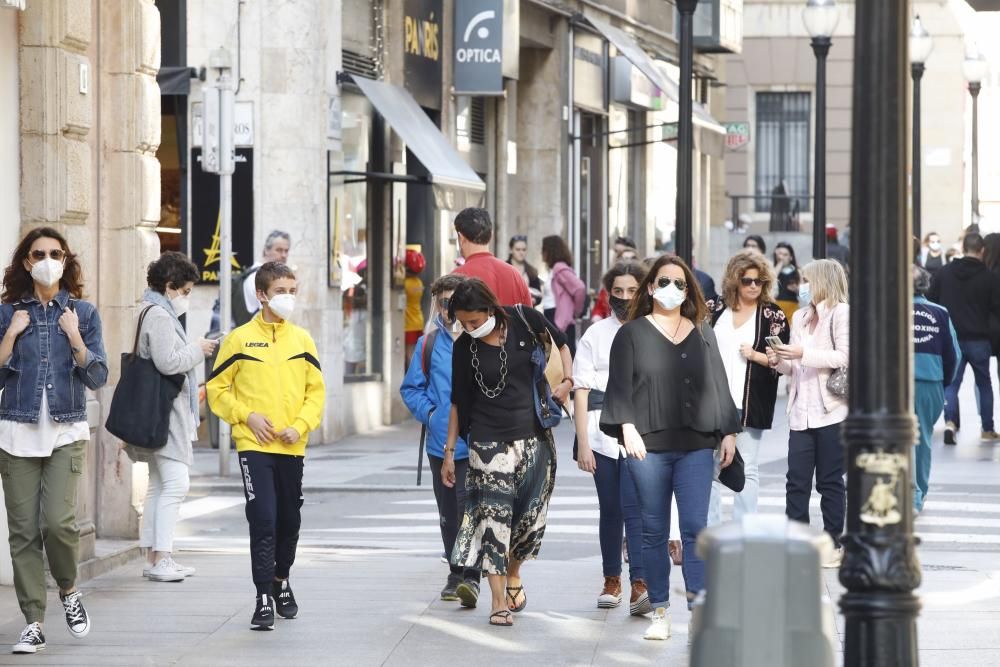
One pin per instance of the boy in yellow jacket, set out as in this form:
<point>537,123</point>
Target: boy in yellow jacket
<point>268,384</point>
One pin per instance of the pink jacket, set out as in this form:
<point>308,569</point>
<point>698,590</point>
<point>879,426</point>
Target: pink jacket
<point>570,293</point>
<point>821,355</point>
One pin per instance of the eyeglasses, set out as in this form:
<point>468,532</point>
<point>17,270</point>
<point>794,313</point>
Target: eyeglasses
<point>678,283</point>
<point>56,254</point>
<point>747,282</point>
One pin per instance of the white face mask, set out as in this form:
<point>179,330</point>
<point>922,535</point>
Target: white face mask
<point>934,245</point>
<point>47,272</point>
<point>669,297</point>
<point>805,294</point>
<point>485,329</point>
<point>180,303</point>
<point>282,305</point>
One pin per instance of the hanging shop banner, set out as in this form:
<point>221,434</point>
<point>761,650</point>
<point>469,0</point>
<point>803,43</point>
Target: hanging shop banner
<point>479,43</point>
<point>422,41</point>
<point>206,222</point>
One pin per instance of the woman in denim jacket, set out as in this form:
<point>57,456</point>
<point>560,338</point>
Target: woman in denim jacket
<point>50,351</point>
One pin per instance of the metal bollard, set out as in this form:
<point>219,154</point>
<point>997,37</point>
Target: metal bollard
<point>764,603</point>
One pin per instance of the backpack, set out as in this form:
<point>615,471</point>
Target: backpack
<point>238,304</point>
<point>425,353</point>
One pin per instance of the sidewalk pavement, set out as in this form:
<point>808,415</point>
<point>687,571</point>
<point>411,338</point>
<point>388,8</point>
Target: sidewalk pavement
<point>368,592</point>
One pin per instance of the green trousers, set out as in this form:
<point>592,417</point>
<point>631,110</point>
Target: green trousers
<point>40,494</point>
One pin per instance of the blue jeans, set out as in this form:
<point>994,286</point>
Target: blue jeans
<point>977,353</point>
<point>619,509</point>
<point>928,402</point>
<point>687,476</point>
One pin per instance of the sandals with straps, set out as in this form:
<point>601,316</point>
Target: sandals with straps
<point>506,619</point>
<point>512,596</point>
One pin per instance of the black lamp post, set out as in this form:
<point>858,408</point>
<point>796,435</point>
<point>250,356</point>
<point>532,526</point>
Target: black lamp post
<point>921,45</point>
<point>820,18</point>
<point>683,242</point>
<point>974,69</point>
<point>880,568</point>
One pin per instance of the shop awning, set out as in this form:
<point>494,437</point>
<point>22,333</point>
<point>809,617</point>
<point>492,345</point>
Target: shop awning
<point>175,80</point>
<point>628,47</point>
<point>449,173</point>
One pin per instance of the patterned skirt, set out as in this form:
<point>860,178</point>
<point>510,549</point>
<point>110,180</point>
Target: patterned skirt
<point>509,486</point>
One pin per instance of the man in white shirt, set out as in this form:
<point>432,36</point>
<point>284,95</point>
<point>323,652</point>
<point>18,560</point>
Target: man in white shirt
<point>276,247</point>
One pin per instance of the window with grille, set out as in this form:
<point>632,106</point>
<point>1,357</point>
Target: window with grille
<point>782,154</point>
<point>477,120</point>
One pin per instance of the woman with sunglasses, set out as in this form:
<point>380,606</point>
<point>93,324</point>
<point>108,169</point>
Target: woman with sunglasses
<point>51,350</point>
<point>668,404</point>
<point>744,318</point>
<point>518,258</point>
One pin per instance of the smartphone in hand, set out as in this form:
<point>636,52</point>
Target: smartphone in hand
<point>773,342</point>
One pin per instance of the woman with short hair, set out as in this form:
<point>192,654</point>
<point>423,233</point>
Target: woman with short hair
<point>51,352</point>
<point>162,339</point>
<point>819,345</point>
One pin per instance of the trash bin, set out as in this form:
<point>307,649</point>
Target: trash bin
<point>765,604</point>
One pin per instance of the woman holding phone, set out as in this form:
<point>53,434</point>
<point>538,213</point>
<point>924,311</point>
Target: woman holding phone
<point>745,317</point>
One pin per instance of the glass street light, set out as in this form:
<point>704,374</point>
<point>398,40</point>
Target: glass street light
<point>820,18</point>
<point>974,69</point>
<point>921,46</point>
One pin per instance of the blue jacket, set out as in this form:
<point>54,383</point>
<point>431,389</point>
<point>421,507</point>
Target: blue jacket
<point>42,359</point>
<point>430,400</point>
<point>935,343</point>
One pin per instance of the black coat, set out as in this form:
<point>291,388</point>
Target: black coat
<point>970,292</point>
<point>762,383</point>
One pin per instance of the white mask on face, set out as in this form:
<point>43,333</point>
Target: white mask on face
<point>47,272</point>
<point>669,297</point>
<point>805,294</point>
<point>934,245</point>
<point>485,329</point>
<point>180,303</point>
<point>282,305</point>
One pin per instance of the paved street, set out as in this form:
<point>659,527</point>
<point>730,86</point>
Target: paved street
<point>369,571</point>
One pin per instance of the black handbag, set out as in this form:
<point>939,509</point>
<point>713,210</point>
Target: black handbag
<point>733,476</point>
<point>140,407</point>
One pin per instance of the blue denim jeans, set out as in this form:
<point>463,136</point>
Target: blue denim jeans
<point>687,476</point>
<point>619,509</point>
<point>977,353</point>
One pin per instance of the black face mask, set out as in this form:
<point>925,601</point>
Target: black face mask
<point>619,307</point>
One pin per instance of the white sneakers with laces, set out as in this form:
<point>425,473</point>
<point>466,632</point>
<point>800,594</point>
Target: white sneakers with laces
<point>164,571</point>
<point>659,627</point>
<point>183,569</point>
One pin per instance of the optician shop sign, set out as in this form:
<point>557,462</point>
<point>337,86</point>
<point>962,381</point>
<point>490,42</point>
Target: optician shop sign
<point>479,47</point>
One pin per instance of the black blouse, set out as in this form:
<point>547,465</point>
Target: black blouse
<point>511,415</point>
<point>661,387</point>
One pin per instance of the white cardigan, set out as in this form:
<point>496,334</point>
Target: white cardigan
<point>821,355</point>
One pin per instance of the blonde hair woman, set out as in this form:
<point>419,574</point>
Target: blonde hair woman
<point>819,345</point>
<point>744,318</point>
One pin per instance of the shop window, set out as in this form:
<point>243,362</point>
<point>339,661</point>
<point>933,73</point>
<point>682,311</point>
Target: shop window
<point>170,227</point>
<point>782,155</point>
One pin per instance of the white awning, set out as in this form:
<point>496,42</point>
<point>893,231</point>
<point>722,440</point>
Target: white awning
<point>421,136</point>
<point>629,48</point>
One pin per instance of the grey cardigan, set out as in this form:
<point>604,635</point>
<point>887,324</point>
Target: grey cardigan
<point>159,341</point>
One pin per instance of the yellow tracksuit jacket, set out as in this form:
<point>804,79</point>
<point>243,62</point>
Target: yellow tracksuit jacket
<point>270,369</point>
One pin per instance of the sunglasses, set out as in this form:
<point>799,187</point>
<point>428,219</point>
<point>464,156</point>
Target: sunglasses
<point>747,282</point>
<point>518,237</point>
<point>57,254</point>
<point>678,283</point>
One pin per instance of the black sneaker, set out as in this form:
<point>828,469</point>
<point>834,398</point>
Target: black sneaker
<point>468,593</point>
<point>949,433</point>
<point>450,593</point>
<point>284,600</point>
<point>263,616</point>
<point>76,616</point>
<point>31,641</point>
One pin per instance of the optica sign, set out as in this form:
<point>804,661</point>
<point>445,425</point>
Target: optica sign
<point>479,47</point>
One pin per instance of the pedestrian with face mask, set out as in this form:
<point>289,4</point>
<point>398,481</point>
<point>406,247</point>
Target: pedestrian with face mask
<point>668,403</point>
<point>600,455</point>
<point>501,406</point>
<point>268,384</point>
<point>426,390</point>
<point>162,338</point>
<point>51,351</point>
<point>932,254</point>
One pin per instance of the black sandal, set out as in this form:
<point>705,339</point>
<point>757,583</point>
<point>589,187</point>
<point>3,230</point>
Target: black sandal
<point>505,616</point>
<point>518,590</point>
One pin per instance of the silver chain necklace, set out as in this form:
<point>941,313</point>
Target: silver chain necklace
<point>496,391</point>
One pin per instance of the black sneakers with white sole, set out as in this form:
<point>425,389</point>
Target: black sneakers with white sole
<point>284,600</point>
<point>77,618</point>
<point>263,615</point>
<point>31,640</point>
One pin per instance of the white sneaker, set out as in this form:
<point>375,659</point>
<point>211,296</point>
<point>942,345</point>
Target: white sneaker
<point>659,628</point>
<point>834,560</point>
<point>145,569</point>
<point>183,569</point>
<point>164,571</point>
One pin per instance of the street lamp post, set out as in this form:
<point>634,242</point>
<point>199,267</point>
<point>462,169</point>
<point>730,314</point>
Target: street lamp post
<point>880,568</point>
<point>974,69</point>
<point>820,18</point>
<point>683,242</point>
<point>921,45</point>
